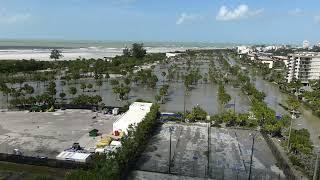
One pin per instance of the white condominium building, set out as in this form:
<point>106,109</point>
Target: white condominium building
<point>305,44</point>
<point>303,66</point>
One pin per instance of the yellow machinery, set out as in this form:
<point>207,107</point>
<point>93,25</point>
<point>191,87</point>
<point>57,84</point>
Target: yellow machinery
<point>104,142</point>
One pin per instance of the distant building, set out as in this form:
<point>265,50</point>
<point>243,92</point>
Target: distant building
<point>305,44</point>
<point>269,48</point>
<point>168,55</point>
<point>266,60</point>
<point>281,58</point>
<point>303,66</point>
<point>244,49</point>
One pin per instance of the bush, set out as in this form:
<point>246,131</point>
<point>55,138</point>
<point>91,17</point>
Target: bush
<point>197,113</point>
<point>142,100</point>
<point>296,161</point>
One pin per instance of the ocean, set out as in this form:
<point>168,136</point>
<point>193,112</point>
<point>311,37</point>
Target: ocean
<point>40,49</point>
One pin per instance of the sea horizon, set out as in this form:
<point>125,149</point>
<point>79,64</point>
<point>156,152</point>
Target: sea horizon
<point>15,49</point>
<point>60,43</point>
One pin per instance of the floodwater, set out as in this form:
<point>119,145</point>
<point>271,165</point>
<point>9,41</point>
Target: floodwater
<point>204,95</point>
<point>274,96</point>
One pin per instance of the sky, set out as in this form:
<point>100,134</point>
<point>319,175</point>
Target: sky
<point>220,21</point>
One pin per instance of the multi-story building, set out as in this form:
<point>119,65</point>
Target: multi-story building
<point>303,66</point>
<point>305,44</point>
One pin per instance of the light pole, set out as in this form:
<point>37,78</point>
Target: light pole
<point>184,105</point>
<point>290,129</point>
<point>170,131</point>
<point>316,165</point>
<point>251,156</point>
<point>234,105</point>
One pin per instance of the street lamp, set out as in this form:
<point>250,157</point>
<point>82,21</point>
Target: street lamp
<point>315,171</point>
<point>170,131</point>
<point>290,129</point>
<point>184,105</point>
<point>251,156</point>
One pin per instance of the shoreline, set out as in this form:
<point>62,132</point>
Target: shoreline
<point>74,53</point>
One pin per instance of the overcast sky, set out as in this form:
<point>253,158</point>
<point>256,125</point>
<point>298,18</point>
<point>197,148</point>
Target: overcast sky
<point>247,21</point>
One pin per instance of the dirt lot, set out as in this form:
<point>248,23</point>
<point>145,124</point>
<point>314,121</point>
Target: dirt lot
<point>47,134</point>
<point>226,156</point>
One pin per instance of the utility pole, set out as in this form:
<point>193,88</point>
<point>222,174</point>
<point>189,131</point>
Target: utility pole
<point>209,141</point>
<point>288,146</point>
<point>184,105</point>
<point>315,172</point>
<point>251,157</point>
<point>234,105</point>
<point>170,130</point>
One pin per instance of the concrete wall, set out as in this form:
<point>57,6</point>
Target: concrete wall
<point>282,161</point>
<point>37,161</point>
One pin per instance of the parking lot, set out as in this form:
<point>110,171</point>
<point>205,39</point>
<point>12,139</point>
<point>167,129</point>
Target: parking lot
<point>48,133</point>
<point>224,155</point>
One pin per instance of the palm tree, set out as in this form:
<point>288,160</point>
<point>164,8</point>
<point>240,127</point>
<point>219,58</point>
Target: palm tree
<point>73,91</point>
<point>62,83</point>
<point>223,97</point>
<point>107,76</point>
<point>5,90</point>
<point>83,86</point>
<point>163,74</point>
<point>157,98</point>
<point>55,54</point>
<point>163,92</point>
<point>90,86</point>
<point>99,83</point>
<point>62,96</point>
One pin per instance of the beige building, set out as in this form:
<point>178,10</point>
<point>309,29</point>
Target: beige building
<point>303,66</point>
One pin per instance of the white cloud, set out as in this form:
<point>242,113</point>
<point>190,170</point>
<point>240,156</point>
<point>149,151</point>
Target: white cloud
<point>187,17</point>
<point>317,19</point>
<point>10,18</point>
<point>242,11</point>
<point>296,12</point>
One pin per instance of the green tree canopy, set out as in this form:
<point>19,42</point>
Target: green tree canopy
<point>56,54</point>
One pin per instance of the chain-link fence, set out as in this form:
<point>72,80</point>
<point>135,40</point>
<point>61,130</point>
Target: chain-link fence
<point>194,170</point>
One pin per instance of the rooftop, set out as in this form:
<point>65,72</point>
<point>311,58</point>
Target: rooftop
<point>137,111</point>
<point>305,54</point>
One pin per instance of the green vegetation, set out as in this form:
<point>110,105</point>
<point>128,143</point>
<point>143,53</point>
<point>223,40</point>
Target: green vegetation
<point>197,114</point>
<point>312,99</point>
<point>47,74</point>
<point>163,92</point>
<point>233,119</point>
<point>146,78</point>
<point>15,66</point>
<point>300,142</point>
<point>281,51</point>
<point>136,51</point>
<point>223,97</point>
<point>301,151</point>
<point>87,100</point>
<point>293,103</point>
<point>31,172</point>
<point>55,54</point>
<point>122,90</point>
<point>300,147</point>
